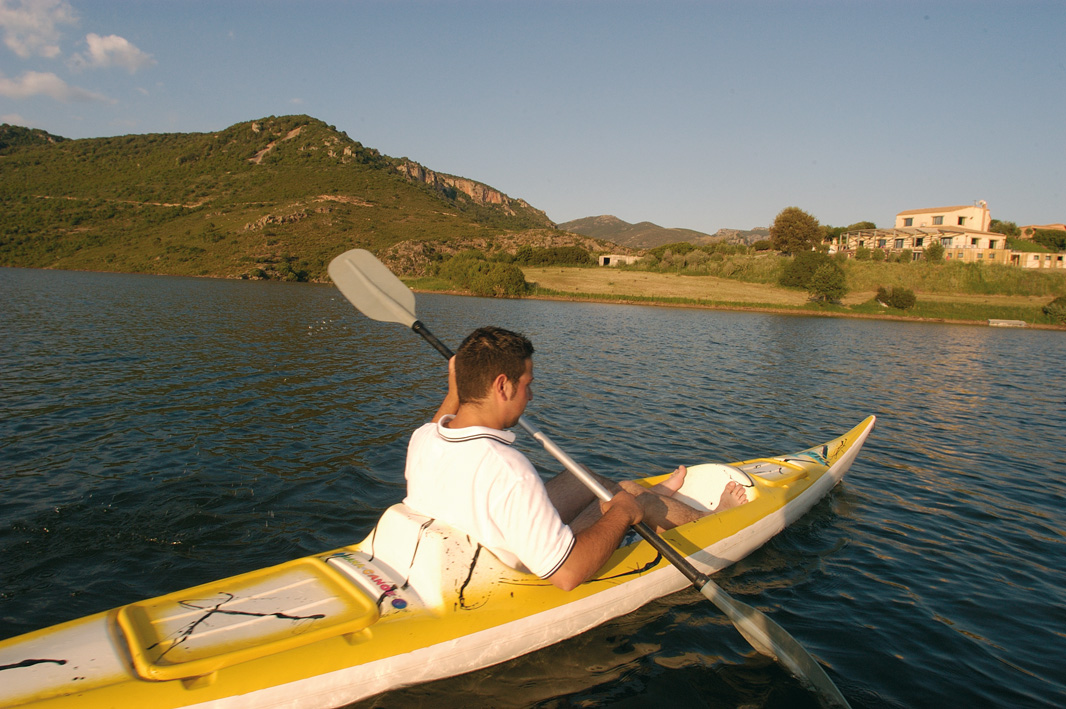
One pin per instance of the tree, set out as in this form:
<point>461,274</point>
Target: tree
<point>859,226</point>
<point>803,267</point>
<point>828,284</point>
<point>1053,239</point>
<point>794,231</point>
<point>1005,228</point>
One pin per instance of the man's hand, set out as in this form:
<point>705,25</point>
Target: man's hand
<point>593,546</point>
<point>624,504</point>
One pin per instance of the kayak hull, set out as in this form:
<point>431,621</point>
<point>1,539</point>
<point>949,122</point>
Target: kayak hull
<point>413,602</point>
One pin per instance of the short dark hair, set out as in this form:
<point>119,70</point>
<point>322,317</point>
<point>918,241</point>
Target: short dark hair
<point>485,354</point>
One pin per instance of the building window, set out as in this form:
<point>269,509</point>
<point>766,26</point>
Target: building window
<point>919,241</point>
<point>1035,257</point>
<point>945,241</point>
<point>975,241</point>
<point>881,243</point>
<point>899,243</point>
<point>991,243</point>
<point>937,221</point>
<point>962,220</point>
<point>908,221</point>
<point>992,255</point>
<point>949,256</point>
<point>862,243</point>
<point>980,255</point>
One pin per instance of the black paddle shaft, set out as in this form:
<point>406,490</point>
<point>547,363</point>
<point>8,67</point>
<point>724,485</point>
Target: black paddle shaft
<point>429,337</point>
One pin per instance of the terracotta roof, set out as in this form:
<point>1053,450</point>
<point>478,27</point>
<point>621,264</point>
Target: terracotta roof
<point>940,209</point>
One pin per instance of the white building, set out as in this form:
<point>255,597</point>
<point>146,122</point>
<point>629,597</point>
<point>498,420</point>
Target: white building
<point>962,231</point>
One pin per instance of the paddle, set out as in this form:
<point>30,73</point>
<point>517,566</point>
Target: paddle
<point>380,295</point>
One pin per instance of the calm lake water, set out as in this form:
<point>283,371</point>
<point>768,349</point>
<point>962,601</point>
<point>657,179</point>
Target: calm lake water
<point>163,432</point>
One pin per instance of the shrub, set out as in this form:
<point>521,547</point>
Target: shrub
<point>878,255</point>
<point>862,254</point>
<point>828,284</point>
<point>763,245</point>
<point>799,272</point>
<point>899,298</point>
<point>498,280</point>
<point>934,253</point>
<point>480,277</point>
<point>679,248</point>
<point>1056,310</point>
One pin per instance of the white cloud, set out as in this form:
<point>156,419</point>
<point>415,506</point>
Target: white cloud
<point>31,27</point>
<point>36,83</point>
<point>110,51</point>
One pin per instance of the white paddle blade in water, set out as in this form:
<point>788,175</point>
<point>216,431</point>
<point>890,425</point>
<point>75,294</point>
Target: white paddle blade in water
<point>770,639</point>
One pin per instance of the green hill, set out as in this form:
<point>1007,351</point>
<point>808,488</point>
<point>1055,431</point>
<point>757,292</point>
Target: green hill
<point>276,198</point>
<point>15,137</point>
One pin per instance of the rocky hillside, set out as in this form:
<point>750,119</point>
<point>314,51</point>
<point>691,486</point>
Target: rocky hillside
<point>646,235</point>
<point>414,258</point>
<point>276,197</point>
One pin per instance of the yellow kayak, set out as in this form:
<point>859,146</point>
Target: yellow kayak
<point>413,602</point>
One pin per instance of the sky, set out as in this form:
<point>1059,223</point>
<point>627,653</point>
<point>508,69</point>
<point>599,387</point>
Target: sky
<point>699,115</point>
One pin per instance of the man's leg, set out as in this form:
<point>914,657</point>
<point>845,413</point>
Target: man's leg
<point>571,497</point>
<point>579,508</point>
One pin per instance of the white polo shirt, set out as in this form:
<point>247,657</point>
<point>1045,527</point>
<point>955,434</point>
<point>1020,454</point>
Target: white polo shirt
<point>475,481</point>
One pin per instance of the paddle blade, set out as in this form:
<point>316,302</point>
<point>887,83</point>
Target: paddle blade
<point>372,288</point>
<point>769,638</point>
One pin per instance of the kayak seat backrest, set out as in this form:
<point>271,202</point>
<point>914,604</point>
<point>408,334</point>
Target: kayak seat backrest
<point>430,558</point>
<point>705,484</point>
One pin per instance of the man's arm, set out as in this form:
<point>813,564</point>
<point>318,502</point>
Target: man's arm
<point>450,405</point>
<point>594,545</point>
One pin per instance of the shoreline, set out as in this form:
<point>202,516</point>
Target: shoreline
<point>623,300</point>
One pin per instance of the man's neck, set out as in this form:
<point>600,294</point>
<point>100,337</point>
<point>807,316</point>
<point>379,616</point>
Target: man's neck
<point>476,414</point>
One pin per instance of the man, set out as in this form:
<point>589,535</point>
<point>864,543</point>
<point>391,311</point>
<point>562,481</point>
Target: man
<point>462,469</point>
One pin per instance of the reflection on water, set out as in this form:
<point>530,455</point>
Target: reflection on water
<point>161,432</point>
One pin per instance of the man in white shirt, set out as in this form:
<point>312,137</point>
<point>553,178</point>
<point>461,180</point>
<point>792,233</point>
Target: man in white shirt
<point>462,469</point>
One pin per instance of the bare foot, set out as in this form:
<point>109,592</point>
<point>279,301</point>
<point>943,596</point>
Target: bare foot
<point>732,496</point>
<point>673,483</point>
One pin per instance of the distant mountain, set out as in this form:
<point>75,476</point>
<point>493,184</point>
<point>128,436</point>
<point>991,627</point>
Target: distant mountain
<point>271,198</point>
<point>646,235</point>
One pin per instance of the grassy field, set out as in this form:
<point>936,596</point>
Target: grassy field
<point>712,291</point>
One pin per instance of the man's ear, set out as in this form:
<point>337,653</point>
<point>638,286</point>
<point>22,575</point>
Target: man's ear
<point>501,386</point>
